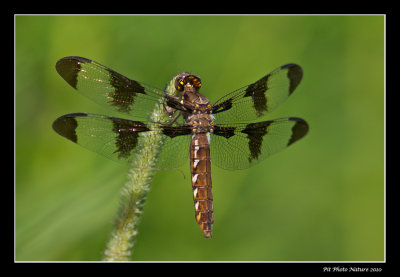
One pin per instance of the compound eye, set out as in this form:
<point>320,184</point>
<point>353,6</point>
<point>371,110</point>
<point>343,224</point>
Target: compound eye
<point>180,83</point>
<point>196,82</point>
<point>184,78</point>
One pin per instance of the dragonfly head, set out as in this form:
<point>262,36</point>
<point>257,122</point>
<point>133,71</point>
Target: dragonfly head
<point>187,80</point>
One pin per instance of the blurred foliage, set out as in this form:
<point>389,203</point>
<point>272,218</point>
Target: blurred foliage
<point>322,199</point>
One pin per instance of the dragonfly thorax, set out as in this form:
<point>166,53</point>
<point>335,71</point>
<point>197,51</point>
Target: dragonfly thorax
<point>202,123</point>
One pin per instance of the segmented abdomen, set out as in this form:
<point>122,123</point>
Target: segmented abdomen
<point>200,166</point>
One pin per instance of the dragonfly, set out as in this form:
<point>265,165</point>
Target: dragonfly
<point>227,133</point>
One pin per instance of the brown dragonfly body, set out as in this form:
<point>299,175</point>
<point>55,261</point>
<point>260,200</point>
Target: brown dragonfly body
<point>224,132</point>
<point>200,118</point>
<point>200,166</point>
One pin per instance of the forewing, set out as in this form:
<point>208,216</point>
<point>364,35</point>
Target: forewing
<point>240,146</point>
<point>257,99</point>
<point>107,87</point>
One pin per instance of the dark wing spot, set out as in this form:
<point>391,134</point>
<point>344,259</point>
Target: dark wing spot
<point>295,74</point>
<point>224,106</point>
<point>226,132</point>
<point>172,131</point>
<point>255,134</point>
<point>125,91</point>
<point>66,126</point>
<point>257,92</point>
<point>299,130</point>
<point>127,135</point>
<point>69,68</point>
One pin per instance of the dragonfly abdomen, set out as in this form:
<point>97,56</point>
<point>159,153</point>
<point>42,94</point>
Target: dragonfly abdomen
<point>200,166</point>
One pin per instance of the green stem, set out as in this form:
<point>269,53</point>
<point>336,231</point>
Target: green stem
<point>133,195</point>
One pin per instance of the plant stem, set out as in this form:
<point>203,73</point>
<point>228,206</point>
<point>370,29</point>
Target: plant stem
<point>133,195</point>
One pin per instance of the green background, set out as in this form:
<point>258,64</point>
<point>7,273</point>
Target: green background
<point>322,199</point>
